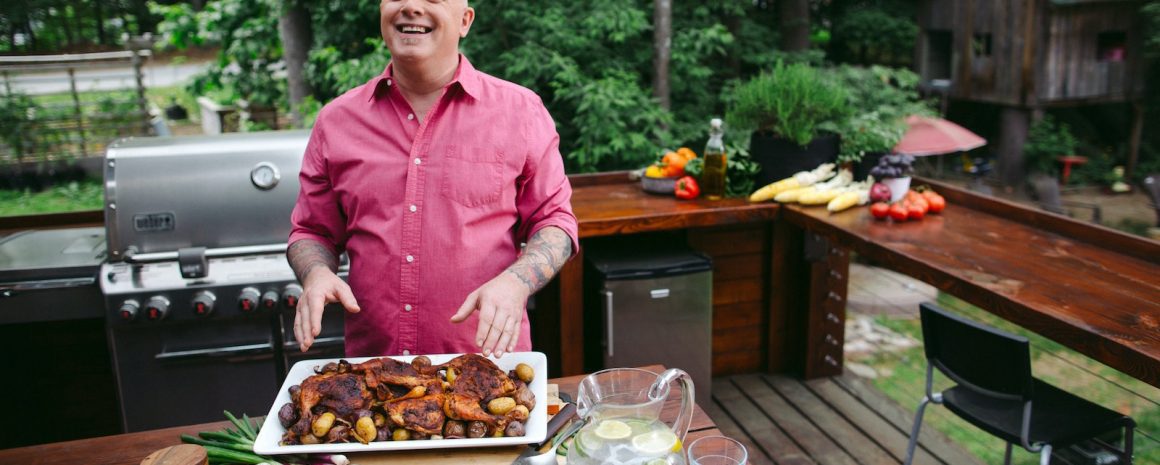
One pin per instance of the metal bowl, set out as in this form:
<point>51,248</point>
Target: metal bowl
<point>664,186</point>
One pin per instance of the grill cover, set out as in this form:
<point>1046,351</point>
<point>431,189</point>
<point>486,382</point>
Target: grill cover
<point>166,194</point>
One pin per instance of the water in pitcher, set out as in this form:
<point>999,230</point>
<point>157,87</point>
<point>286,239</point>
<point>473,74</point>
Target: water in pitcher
<point>625,440</point>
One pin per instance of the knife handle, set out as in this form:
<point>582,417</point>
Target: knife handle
<point>566,413</point>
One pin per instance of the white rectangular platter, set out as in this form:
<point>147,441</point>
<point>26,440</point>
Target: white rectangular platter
<point>536,427</point>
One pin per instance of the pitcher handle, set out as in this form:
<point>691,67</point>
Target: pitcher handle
<point>688,398</point>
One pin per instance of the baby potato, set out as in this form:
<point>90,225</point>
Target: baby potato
<point>451,375</point>
<point>400,434</point>
<point>421,361</point>
<point>454,429</point>
<point>514,429</point>
<point>308,439</point>
<point>322,424</point>
<point>519,413</point>
<point>364,430</point>
<point>287,415</point>
<point>525,373</point>
<point>501,405</point>
<point>476,429</point>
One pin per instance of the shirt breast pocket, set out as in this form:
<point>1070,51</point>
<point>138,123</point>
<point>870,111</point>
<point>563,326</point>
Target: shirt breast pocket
<point>473,176</point>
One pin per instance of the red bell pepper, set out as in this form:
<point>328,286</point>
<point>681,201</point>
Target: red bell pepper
<point>687,188</point>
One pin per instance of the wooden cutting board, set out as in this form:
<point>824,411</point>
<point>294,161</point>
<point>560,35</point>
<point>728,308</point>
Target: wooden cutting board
<point>472,456</point>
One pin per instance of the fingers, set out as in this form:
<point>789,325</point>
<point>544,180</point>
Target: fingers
<point>494,328</point>
<point>298,320</point>
<point>346,297</point>
<point>469,305</point>
<point>308,320</point>
<point>507,341</point>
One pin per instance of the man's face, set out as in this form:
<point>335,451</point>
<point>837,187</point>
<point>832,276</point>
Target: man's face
<point>423,29</point>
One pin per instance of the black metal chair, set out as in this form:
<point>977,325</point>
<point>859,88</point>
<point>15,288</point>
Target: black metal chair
<point>996,392</point>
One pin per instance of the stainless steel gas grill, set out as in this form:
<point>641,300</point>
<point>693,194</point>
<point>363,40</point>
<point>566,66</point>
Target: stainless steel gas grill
<point>197,290</point>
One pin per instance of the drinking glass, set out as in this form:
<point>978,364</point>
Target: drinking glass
<point>717,450</point>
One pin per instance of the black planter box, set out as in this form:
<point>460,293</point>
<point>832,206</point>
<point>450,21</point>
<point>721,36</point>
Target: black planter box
<point>780,158</point>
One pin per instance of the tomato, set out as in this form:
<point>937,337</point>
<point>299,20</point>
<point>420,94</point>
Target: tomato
<point>921,203</point>
<point>880,210</point>
<point>937,203</point>
<point>899,212</point>
<point>674,159</point>
<point>916,212</point>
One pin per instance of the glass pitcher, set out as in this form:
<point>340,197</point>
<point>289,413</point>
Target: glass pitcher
<point>622,408</point>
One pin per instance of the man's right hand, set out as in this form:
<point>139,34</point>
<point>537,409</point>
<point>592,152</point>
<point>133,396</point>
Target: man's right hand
<point>320,287</point>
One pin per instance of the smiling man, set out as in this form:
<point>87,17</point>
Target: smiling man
<point>430,176</point>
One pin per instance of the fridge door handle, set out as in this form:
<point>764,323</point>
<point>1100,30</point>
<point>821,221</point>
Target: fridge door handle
<point>608,322</point>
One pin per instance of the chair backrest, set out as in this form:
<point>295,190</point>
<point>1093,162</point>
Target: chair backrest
<point>977,356</point>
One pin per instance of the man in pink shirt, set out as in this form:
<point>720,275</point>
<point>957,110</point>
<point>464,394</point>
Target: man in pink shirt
<point>430,176</point>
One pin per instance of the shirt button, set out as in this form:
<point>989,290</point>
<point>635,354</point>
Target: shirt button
<point>406,352</point>
<point>410,259</point>
<point>417,161</point>
<point>407,307</point>
<point>410,116</point>
<point>389,81</point>
<point>414,208</point>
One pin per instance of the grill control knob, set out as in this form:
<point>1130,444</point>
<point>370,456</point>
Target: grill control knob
<point>156,308</point>
<point>203,303</point>
<point>248,300</point>
<point>290,295</point>
<point>128,310</point>
<point>270,300</point>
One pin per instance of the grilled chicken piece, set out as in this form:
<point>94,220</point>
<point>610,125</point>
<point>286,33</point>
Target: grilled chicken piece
<point>390,371</point>
<point>423,414</point>
<point>464,407</point>
<point>478,377</point>
<point>344,394</point>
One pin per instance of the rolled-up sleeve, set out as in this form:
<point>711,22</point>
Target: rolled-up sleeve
<point>545,196</point>
<point>318,214</point>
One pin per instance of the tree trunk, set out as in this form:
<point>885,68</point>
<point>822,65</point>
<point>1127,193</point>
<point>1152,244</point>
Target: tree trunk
<point>1014,124</point>
<point>794,16</point>
<point>99,15</point>
<point>198,5</point>
<point>662,50</point>
<point>63,10</point>
<point>145,21</point>
<point>297,35</point>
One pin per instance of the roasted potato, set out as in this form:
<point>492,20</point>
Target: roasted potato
<point>454,429</point>
<point>421,361</point>
<point>501,405</point>
<point>322,425</point>
<point>525,373</point>
<point>364,430</point>
<point>519,413</point>
<point>476,429</point>
<point>400,434</point>
<point>308,439</point>
<point>287,415</point>
<point>514,429</point>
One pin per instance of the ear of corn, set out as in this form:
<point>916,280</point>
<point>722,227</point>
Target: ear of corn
<point>768,192</point>
<point>792,195</point>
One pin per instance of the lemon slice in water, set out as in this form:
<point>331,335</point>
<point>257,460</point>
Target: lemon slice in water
<point>655,443</point>
<point>612,430</point>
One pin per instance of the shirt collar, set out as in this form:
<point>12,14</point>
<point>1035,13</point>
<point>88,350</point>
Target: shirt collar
<point>466,78</point>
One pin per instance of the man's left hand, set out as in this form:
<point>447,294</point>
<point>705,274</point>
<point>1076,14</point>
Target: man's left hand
<point>501,304</point>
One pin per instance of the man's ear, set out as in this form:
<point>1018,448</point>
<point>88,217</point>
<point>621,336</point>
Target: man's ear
<point>468,18</point>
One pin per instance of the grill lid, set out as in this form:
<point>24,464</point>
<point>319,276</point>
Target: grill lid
<point>231,194</point>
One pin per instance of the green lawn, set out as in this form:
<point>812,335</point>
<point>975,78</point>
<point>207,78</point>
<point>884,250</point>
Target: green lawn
<point>75,196</point>
<point>902,376</point>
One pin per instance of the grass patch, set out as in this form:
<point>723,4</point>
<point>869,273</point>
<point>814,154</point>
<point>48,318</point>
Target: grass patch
<point>902,377</point>
<point>71,197</point>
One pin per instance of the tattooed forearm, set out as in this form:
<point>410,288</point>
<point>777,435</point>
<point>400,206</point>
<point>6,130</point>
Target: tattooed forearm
<point>305,255</point>
<point>545,254</point>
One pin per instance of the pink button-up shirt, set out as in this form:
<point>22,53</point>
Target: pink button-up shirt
<point>429,211</point>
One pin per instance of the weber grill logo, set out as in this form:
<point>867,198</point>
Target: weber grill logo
<point>154,222</point>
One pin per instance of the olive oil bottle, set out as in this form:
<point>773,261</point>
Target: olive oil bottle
<point>713,175</point>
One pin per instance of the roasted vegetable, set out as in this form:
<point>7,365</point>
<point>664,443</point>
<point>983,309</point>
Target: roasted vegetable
<point>454,429</point>
<point>400,434</point>
<point>364,430</point>
<point>322,425</point>
<point>514,429</point>
<point>520,413</point>
<point>476,429</point>
<point>501,405</point>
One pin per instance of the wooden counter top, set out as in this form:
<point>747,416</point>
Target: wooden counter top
<point>130,449</point>
<point>608,203</point>
<point>1089,288</point>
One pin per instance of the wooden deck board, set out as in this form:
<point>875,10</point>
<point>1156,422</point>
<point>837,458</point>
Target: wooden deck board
<point>841,420</point>
<point>796,425</point>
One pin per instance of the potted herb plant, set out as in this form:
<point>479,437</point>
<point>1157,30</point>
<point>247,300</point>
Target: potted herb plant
<point>787,109</point>
<point>879,99</point>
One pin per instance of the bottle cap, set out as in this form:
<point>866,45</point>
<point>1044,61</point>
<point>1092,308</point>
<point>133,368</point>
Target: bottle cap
<point>715,123</point>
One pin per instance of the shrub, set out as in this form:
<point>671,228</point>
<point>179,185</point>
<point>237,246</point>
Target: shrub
<point>793,101</point>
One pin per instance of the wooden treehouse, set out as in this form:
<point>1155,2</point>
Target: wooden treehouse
<point>1027,56</point>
